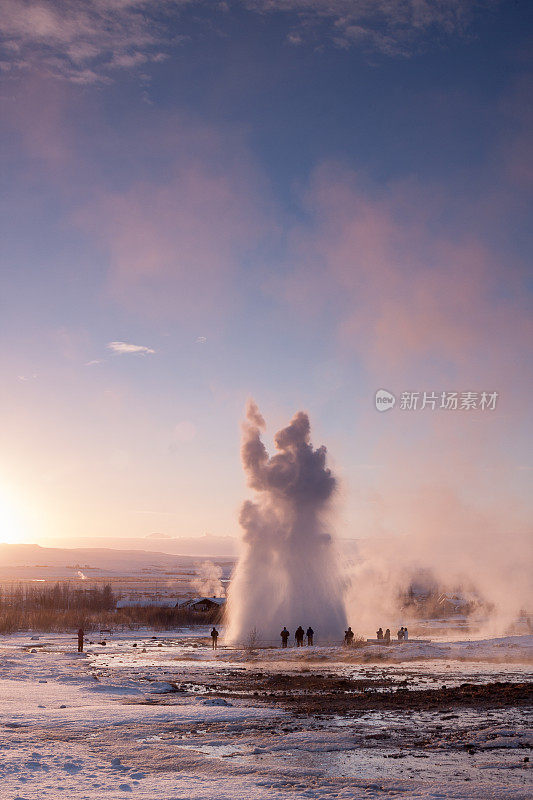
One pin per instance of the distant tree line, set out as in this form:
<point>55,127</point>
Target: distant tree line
<point>63,608</point>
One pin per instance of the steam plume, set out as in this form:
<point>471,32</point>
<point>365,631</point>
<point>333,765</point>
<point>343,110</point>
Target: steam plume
<point>288,572</point>
<point>486,557</point>
<point>207,581</point>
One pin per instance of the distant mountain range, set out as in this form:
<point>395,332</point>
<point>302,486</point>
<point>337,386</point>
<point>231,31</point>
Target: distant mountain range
<point>150,556</point>
<point>158,543</point>
<point>33,562</point>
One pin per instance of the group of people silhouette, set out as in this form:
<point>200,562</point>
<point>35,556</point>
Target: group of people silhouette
<point>402,634</point>
<point>298,636</point>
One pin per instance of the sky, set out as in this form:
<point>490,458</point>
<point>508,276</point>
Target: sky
<point>296,201</point>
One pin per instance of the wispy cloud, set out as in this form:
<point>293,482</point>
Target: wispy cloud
<point>87,41</point>
<point>125,348</point>
<point>392,27</point>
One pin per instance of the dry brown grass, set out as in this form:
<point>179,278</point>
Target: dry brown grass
<point>13,619</point>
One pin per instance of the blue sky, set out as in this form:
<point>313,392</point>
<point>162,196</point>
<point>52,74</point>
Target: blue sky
<point>301,202</point>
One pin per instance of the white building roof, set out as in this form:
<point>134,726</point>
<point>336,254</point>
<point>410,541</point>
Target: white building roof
<point>162,602</point>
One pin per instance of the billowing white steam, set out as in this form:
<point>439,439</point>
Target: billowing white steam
<point>287,573</point>
<point>207,582</point>
<point>485,557</point>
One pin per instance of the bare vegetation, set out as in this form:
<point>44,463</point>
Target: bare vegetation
<point>63,608</point>
<point>252,642</point>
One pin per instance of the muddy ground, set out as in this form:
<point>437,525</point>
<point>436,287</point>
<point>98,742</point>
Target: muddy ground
<point>323,694</point>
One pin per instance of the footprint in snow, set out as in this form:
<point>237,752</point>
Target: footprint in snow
<point>36,765</point>
<point>73,769</point>
<point>125,787</point>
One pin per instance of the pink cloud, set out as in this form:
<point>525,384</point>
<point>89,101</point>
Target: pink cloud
<point>36,114</point>
<point>404,287</point>
<point>175,244</point>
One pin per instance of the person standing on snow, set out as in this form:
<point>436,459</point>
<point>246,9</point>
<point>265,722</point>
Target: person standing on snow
<point>309,633</point>
<point>284,637</point>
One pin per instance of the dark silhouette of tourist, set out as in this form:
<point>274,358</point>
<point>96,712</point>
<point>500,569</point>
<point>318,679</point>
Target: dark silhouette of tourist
<point>80,640</point>
<point>386,638</point>
<point>348,636</point>
<point>400,634</point>
<point>214,637</point>
<point>309,633</point>
<point>284,637</point>
<point>405,634</point>
<point>299,636</point>
<point>379,633</point>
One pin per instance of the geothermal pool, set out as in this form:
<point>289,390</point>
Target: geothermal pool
<point>161,716</point>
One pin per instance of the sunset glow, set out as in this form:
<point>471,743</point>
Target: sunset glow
<point>12,529</point>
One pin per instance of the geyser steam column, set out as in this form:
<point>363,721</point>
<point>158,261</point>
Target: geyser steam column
<point>288,572</point>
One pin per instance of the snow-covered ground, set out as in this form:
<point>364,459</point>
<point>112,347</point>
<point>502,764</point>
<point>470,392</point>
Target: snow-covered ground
<point>505,649</point>
<point>109,722</point>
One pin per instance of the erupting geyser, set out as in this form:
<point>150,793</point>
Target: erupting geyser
<point>287,573</point>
